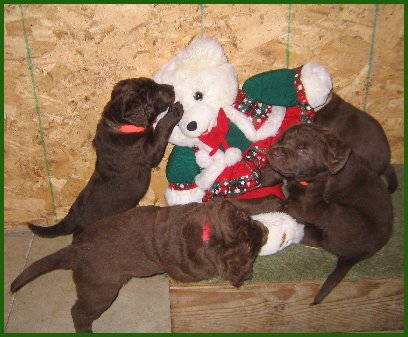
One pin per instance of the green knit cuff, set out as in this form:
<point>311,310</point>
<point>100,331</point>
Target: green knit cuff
<point>182,167</point>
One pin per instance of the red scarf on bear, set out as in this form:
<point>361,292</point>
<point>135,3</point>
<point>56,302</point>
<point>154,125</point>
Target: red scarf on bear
<point>217,135</point>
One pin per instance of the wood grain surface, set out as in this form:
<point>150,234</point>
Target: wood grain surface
<point>363,305</point>
<point>79,51</point>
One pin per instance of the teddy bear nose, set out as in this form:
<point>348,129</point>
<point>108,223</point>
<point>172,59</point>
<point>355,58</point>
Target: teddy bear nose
<point>192,126</point>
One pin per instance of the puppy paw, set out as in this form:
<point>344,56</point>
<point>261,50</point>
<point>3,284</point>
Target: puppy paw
<point>176,110</point>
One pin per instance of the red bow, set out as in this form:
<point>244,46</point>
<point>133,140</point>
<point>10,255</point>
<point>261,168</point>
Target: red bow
<point>216,136</point>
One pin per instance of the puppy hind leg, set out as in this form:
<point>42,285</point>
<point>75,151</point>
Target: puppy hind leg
<point>342,268</point>
<point>92,302</point>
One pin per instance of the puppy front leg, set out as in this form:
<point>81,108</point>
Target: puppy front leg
<point>294,209</point>
<point>156,145</point>
<point>312,237</point>
<point>302,210</point>
<point>257,206</point>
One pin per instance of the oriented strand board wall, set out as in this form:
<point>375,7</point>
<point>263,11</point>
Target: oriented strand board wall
<point>80,51</point>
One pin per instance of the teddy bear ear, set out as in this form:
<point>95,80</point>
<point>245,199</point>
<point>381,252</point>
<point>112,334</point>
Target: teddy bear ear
<point>205,50</point>
<point>164,75</point>
<point>202,50</point>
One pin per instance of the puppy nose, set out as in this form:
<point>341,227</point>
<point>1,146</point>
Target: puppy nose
<point>275,152</point>
<point>192,126</point>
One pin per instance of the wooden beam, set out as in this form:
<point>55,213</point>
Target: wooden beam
<point>355,305</point>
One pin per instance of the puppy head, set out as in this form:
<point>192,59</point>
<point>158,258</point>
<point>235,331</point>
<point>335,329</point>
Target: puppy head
<point>306,151</point>
<point>138,101</point>
<point>237,240</point>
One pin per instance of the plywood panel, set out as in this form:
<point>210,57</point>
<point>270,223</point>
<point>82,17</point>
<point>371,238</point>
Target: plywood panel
<point>80,51</point>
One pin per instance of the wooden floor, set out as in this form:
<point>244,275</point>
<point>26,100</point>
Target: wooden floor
<point>358,305</point>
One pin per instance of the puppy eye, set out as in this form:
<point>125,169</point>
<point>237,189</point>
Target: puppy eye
<point>198,96</point>
<point>302,149</point>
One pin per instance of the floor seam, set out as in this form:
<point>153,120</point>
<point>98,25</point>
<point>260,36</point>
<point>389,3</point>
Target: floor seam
<point>13,298</point>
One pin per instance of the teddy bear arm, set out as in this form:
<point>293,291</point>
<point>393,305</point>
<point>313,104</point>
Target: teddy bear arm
<point>181,166</point>
<point>274,87</point>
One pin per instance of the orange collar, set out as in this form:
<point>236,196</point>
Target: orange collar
<point>130,128</point>
<point>303,183</point>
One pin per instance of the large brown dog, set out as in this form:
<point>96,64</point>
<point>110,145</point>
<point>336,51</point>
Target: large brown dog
<point>127,148</point>
<point>342,199</point>
<point>360,131</point>
<point>191,242</point>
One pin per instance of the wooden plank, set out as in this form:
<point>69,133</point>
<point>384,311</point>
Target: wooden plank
<point>358,305</point>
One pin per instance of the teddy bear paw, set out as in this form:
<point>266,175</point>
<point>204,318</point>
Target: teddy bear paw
<point>203,159</point>
<point>317,83</point>
<point>232,156</point>
<point>203,181</point>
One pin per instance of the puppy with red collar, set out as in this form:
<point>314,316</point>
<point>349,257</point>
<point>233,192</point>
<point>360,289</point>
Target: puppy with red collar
<point>127,148</point>
<point>190,243</point>
<point>342,200</point>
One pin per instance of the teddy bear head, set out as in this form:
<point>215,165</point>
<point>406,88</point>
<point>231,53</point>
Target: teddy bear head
<point>203,82</point>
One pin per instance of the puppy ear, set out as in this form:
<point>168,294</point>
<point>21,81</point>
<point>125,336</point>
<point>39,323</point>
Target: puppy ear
<point>338,153</point>
<point>226,220</point>
<point>237,239</point>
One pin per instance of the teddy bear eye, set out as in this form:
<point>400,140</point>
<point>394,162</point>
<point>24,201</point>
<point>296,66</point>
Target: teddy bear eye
<point>198,96</point>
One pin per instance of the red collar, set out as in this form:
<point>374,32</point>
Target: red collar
<point>206,231</point>
<point>130,128</point>
<point>303,183</point>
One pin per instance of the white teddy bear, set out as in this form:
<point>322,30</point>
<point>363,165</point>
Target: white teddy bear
<point>221,140</point>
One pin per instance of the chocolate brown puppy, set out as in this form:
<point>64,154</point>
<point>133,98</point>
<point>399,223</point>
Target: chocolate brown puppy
<point>127,148</point>
<point>190,242</point>
<point>343,201</point>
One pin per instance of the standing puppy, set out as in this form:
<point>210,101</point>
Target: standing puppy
<point>342,199</point>
<point>127,148</point>
<point>191,243</point>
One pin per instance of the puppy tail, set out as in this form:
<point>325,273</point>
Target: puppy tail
<point>391,178</point>
<point>342,268</point>
<point>62,259</point>
<point>64,227</point>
